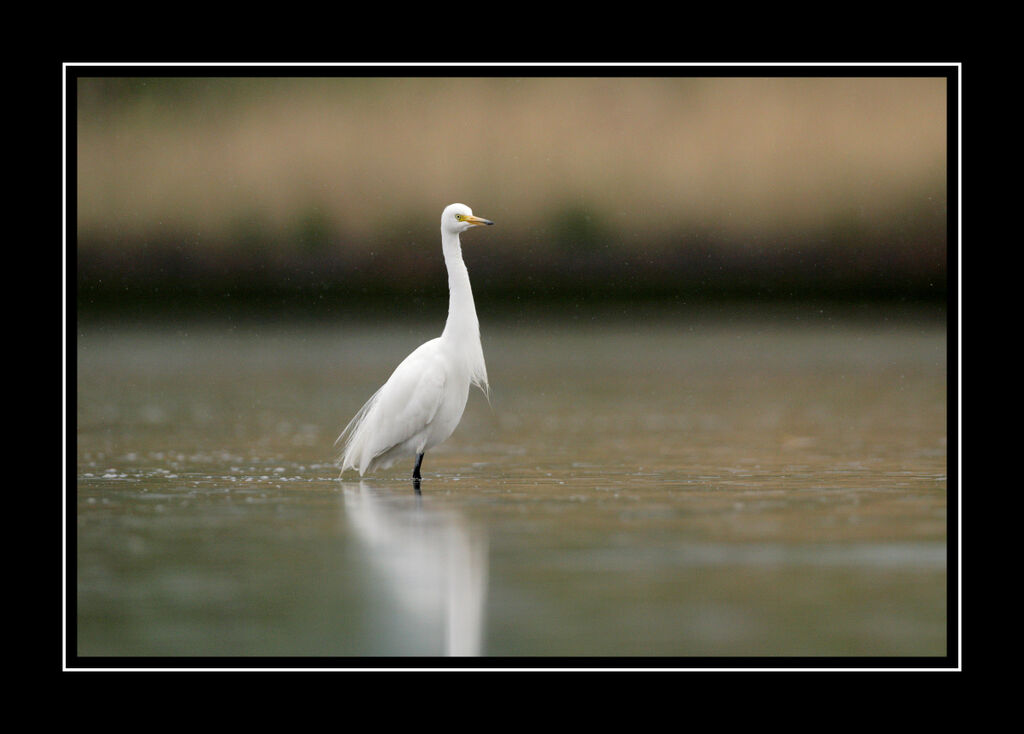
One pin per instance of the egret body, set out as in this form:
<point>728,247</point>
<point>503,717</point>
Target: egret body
<point>422,402</point>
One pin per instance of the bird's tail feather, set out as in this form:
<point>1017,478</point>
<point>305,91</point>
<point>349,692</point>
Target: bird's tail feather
<point>354,436</point>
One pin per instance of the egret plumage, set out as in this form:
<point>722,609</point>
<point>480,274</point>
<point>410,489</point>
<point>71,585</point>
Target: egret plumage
<point>422,402</point>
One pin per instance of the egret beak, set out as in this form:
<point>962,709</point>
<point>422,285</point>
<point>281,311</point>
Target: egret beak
<point>478,221</point>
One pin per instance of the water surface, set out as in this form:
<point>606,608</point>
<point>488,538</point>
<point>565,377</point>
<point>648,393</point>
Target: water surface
<point>748,486</point>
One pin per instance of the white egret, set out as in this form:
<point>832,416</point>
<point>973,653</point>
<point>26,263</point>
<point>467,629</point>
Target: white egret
<point>422,402</point>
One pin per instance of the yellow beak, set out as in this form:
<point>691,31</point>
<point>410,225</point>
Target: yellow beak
<point>478,221</point>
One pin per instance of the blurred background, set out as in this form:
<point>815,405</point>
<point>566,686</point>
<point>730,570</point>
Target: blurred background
<point>322,196</point>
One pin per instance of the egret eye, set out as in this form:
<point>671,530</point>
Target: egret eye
<point>458,217</point>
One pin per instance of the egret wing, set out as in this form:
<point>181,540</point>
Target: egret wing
<point>408,401</point>
<point>403,407</point>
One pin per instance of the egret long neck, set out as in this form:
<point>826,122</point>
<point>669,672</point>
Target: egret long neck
<point>462,324</point>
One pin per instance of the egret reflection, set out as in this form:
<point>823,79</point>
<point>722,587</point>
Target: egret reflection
<point>429,567</point>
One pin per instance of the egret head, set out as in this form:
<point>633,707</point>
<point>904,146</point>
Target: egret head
<point>458,218</point>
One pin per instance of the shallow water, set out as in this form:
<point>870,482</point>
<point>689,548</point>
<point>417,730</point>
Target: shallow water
<point>673,488</point>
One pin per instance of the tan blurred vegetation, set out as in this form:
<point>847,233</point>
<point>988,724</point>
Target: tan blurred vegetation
<point>629,164</point>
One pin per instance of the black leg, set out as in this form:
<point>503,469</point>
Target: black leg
<point>416,469</point>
